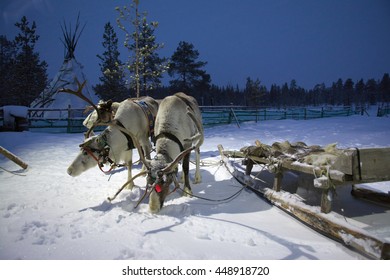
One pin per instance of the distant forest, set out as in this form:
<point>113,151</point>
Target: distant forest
<point>340,93</point>
<point>23,75</point>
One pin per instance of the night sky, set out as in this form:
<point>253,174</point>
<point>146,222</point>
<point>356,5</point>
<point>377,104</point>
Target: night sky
<point>274,40</point>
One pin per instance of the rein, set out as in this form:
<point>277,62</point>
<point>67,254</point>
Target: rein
<point>103,154</point>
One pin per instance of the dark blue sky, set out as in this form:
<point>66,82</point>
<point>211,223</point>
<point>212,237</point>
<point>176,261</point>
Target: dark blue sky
<point>311,41</point>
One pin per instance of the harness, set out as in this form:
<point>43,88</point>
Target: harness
<point>148,114</point>
<point>130,144</point>
<point>102,157</point>
<point>151,119</point>
<point>172,137</point>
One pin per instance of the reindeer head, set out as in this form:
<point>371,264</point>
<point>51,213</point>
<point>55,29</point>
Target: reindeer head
<point>161,174</point>
<point>105,111</point>
<point>92,152</point>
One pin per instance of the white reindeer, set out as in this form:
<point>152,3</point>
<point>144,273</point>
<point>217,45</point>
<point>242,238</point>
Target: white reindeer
<point>130,128</point>
<point>178,131</point>
<point>103,114</point>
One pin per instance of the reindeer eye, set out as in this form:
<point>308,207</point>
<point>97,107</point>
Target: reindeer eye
<point>85,153</point>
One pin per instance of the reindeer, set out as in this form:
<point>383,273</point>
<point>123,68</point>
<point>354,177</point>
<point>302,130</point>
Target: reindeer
<point>103,114</point>
<point>178,131</point>
<point>130,128</point>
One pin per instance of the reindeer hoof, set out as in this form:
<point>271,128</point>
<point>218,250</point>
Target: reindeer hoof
<point>187,192</point>
<point>197,180</point>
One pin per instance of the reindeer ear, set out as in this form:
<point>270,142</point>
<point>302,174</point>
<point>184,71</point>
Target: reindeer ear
<point>87,142</point>
<point>87,109</point>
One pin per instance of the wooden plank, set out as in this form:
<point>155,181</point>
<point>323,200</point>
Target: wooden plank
<point>374,164</point>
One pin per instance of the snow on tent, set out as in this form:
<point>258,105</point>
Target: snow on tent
<point>67,77</point>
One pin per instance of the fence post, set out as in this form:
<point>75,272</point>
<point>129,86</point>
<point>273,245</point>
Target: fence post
<point>235,117</point>
<point>68,129</point>
<point>256,112</point>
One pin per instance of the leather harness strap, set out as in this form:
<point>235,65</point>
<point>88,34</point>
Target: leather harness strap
<point>172,137</point>
<point>130,144</point>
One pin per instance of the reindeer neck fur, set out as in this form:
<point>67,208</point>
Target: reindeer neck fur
<point>116,141</point>
<point>167,149</point>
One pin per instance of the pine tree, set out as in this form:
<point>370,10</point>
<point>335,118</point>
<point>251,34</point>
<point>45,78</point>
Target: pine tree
<point>151,66</point>
<point>254,92</point>
<point>384,87</point>
<point>7,62</point>
<point>359,94</point>
<point>145,66</point>
<point>348,91</point>
<point>29,76</point>
<point>372,91</point>
<point>112,84</point>
<point>187,69</point>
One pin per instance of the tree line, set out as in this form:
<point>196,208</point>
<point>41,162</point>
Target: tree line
<point>23,75</point>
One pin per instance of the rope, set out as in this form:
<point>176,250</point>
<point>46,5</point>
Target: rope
<point>221,162</point>
<point>214,200</point>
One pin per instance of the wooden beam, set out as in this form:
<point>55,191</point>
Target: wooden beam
<point>13,157</point>
<point>364,193</point>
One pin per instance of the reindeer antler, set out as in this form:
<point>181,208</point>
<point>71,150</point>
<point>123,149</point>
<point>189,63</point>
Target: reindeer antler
<point>79,94</point>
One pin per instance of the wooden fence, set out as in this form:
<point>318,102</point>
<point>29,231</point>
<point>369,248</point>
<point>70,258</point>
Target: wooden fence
<point>383,110</point>
<point>226,115</point>
<point>70,120</point>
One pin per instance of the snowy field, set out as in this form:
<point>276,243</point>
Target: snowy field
<point>46,214</point>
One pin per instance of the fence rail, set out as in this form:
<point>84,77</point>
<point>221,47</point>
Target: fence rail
<point>71,119</point>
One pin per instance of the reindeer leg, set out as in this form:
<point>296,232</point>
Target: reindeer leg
<point>146,148</point>
<point>129,162</point>
<point>186,167</point>
<point>198,176</point>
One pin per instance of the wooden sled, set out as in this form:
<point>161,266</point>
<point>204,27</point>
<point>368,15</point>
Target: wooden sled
<point>347,166</point>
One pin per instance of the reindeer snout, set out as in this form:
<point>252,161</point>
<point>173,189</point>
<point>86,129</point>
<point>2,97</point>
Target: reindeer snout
<point>70,171</point>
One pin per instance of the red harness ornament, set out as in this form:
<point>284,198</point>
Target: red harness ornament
<point>158,188</point>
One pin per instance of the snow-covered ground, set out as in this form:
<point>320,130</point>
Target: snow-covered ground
<point>46,214</point>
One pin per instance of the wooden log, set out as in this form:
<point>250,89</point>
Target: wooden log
<point>13,157</point>
<point>326,201</point>
<point>278,181</point>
